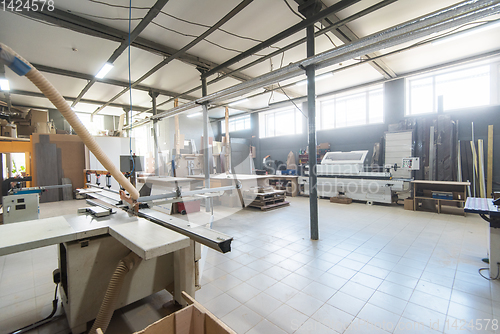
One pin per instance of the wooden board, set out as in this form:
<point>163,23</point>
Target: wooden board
<point>72,152</point>
<point>489,173</point>
<point>47,169</point>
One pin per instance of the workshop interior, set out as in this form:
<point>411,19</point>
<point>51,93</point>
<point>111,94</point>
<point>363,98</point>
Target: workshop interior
<point>249,166</point>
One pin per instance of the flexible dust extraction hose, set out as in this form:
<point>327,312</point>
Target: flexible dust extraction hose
<point>23,67</point>
<point>113,292</point>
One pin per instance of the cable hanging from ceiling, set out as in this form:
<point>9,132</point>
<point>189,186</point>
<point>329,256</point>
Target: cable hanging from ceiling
<point>183,20</point>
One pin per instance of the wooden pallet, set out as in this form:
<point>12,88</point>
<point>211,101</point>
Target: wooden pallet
<point>271,206</point>
<point>267,200</point>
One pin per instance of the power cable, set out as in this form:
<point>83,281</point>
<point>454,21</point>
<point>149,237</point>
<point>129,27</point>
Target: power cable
<point>185,21</point>
<point>205,39</point>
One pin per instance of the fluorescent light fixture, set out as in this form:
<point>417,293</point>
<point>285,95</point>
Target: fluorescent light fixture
<point>316,79</point>
<point>468,32</point>
<point>238,102</point>
<point>104,70</point>
<point>195,114</point>
<point>4,85</point>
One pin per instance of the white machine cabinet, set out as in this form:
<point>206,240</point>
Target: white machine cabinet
<point>18,208</point>
<point>86,268</point>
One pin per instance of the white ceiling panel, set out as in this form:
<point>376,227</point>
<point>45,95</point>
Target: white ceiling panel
<point>53,46</point>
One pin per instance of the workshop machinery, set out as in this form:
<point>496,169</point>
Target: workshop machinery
<point>21,204</point>
<point>345,174</point>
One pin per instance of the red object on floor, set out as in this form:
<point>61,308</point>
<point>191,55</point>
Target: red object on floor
<point>189,207</point>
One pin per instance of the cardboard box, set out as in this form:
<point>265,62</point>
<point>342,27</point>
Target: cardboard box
<point>323,146</point>
<point>194,319</point>
<point>341,200</point>
<point>408,204</point>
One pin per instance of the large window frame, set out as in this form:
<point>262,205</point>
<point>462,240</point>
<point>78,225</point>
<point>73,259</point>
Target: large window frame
<point>463,87</point>
<point>367,103</point>
<point>280,122</point>
<point>237,124</point>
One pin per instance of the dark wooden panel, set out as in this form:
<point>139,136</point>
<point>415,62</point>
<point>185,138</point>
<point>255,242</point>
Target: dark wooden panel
<point>47,169</point>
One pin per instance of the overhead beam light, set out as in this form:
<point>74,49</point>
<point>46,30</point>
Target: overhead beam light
<point>4,85</point>
<point>104,70</point>
<point>468,32</point>
<point>316,79</point>
<point>238,102</point>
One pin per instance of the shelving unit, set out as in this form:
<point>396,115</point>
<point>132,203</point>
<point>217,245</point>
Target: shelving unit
<point>422,190</point>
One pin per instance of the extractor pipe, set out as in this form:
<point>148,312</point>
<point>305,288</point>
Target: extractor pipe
<point>22,67</point>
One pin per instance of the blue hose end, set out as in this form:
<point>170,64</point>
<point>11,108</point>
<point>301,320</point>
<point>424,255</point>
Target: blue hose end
<point>19,67</point>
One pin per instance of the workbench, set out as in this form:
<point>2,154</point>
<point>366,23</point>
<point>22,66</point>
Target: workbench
<point>422,190</point>
<point>90,249</point>
<point>490,213</point>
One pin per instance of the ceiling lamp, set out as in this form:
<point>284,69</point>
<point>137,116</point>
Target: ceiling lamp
<point>104,70</point>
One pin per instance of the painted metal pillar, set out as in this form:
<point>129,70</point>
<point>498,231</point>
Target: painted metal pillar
<point>156,147</point>
<point>206,147</point>
<point>311,113</point>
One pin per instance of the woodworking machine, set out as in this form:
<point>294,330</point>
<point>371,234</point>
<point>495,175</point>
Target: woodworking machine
<point>345,173</point>
<point>93,241</point>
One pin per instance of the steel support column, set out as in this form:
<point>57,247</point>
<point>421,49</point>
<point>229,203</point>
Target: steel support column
<point>311,114</point>
<point>206,148</point>
<point>156,147</point>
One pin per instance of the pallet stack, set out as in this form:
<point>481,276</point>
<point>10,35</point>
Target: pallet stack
<point>267,198</point>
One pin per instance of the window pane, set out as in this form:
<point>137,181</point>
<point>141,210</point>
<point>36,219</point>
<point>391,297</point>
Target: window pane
<point>285,122</point>
<point>298,121</point>
<point>262,126</point>
<point>327,115</point>
<point>270,125</point>
<point>376,106</point>
<point>464,89</point>
<point>421,96</point>
<point>351,110</point>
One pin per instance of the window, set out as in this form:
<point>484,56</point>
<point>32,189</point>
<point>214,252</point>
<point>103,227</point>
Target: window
<point>237,124</point>
<point>461,87</point>
<point>93,126</point>
<point>280,122</point>
<point>360,107</point>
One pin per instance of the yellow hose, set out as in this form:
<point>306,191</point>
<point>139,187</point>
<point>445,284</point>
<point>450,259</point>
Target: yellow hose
<point>113,292</point>
<point>58,101</point>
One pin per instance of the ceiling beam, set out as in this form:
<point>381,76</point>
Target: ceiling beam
<point>40,95</point>
<point>152,13</point>
<point>346,35</point>
<point>282,35</point>
<point>119,83</point>
<point>92,28</point>
<point>209,31</point>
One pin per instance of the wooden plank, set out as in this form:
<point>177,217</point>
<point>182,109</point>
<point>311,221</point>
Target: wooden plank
<point>480,156</point>
<point>475,173</point>
<point>489,173</point>
<point>441,182</point>
<point>47,169</point>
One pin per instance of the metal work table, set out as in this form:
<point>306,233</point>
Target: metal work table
<point>491,213</point>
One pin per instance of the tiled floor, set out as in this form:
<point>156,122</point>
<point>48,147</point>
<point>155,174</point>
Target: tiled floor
<point>375,269</point>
